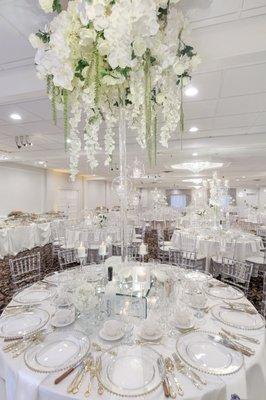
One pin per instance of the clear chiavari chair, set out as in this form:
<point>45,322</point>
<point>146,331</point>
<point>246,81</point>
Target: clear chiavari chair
<point>263,303</point>
<point>236,273</point>
<point>188,248</point>
<point>25,270</point>
<point>67,258</point>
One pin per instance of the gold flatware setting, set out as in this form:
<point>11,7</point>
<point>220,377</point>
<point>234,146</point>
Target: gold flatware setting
<point>20,346</point>
<point>170,368</point>
<point>240,336</point>
<point>99,348</point>
<point>75,384</point>
<point>235,345</point>
<point>197,381</point>
<point>241,307</point>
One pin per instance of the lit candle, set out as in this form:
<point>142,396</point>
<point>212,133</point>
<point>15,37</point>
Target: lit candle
<point>81,251</point>
<point>102,249</point>
<point>142,249</point>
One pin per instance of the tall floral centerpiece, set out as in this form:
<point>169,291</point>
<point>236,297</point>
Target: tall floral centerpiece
<point>218,192</point>
<point>115,62</point>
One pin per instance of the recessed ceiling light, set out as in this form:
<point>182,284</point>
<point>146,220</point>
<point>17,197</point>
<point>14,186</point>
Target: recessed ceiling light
<point>191,91</point>
<point>193,129</point>
<point>15,116</point>
<point>194,154</point>
<point>243,177</point>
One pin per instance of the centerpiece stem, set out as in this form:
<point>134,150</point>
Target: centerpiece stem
<point>123,184</point>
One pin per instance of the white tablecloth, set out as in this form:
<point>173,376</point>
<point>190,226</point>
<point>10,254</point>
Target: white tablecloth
<point>23,237</point>
<point>249,382</point>
<point>209,247</point>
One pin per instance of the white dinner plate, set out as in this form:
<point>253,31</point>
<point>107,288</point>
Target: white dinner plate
<point>58,351</point>
<point>33,295</point>
<point>23,323</point>
<point>226,293</point>
<point>238,319</point>
<point>199,351</point>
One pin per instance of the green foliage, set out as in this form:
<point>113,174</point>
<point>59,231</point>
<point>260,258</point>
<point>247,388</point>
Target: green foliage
<point>57,6</point>
<point>65,103</point>
<point>187,51</point>
<point>43,36</point>
<point>184,75</point>
<point>123,71</point>
<point>79,68</point>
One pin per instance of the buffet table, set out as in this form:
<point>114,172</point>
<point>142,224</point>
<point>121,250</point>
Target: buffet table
<point>248,382</point>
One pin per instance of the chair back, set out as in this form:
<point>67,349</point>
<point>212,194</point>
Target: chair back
<point>184,259</point>
<point>25,270</point>
<point>236,273</point>
<point>66,258</point>
<point>263,303</point>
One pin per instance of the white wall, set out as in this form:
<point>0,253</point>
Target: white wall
<point>32,189</point>
<point>56,181</point>
<point>21,189</point>
<point>253,196</point>
<point>99,193</point>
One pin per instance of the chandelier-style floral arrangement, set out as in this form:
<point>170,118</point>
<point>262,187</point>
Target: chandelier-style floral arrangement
<point>98,55</point>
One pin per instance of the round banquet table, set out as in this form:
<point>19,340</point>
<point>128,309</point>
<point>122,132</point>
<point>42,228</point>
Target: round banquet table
<point>207,246</point>
<point>15,239</point>
<point>249,382</point>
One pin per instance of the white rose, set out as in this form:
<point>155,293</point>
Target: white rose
<point>35,41</point>
<point>116,79</point>
<point>179,68</point>
<point>160,98</point>
<point>162,3</point>
<point>139,47</point>
<point>46,5</point>
<point>185,81</point>
<point>87,36</point>
<point>195,61</point>
<point>100,23</point>
<point>103,48</point>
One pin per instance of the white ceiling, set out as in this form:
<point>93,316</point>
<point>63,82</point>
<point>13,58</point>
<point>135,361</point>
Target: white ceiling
<point>229,110</point>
